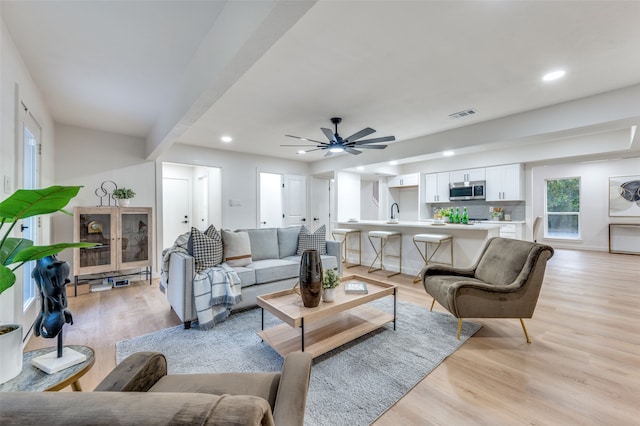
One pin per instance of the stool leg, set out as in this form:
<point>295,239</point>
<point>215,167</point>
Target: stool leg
<point>378,254</point>
<point>419,276</point>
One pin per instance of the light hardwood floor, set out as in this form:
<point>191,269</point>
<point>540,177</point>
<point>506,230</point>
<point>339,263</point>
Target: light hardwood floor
<point>582,367</point>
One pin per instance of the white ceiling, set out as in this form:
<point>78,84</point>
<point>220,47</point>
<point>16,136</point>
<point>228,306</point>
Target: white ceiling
<point>401,67</point>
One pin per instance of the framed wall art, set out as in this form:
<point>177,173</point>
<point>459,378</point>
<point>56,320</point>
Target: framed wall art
<point>624,196</point>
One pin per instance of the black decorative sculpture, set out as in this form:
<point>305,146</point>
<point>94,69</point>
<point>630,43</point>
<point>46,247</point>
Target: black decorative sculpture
<point>52,275</point>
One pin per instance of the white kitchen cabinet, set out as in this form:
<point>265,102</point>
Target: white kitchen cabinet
<point>400,181</point>
<point>505,183</point>
<point>469,175</point>
<point>513,230</point>
<point>437,187</point>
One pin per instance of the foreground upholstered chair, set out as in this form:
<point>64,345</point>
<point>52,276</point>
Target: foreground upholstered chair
<point>504,283</point>
<point>140,392</point>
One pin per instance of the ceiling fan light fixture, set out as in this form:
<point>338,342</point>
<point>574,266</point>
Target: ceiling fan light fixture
<point>336,149</point>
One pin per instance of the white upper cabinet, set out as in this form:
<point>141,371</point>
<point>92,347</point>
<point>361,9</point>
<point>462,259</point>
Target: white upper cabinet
<point>468,175</point>
<point>505,183</point>
<point>437,187</point>
<point>411,179</point>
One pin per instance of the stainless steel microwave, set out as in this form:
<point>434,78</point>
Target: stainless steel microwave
<point>467,190</point>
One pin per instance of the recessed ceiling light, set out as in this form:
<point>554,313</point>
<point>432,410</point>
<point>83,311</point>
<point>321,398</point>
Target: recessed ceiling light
<point>393,163</point>
<point>302,152</point>
<point>554,75</point>
<point>336,149</point>
<point>447,153</point>
<point>360,168</point>
<point>226,139</point>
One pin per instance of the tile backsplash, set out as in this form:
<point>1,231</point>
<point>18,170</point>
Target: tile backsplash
<point>478,209</point>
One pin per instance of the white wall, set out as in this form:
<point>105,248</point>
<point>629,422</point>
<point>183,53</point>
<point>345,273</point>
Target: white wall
<point>16,85</point>
<point>89,157</point>
<point>594,198</point>
<point>239,178</point>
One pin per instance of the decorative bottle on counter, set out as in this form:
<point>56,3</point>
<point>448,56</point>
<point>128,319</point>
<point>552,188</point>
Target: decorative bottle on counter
<point>456,216</point>
<point>465,216</point>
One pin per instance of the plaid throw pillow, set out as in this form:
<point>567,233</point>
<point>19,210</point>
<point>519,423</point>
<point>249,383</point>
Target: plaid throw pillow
<point>315,241</point>
<point>206,248</point>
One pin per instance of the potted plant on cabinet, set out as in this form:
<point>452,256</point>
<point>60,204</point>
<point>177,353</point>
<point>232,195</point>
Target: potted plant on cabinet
<point>123,195</point>
<point>330,280</point>
<point>15,252</point>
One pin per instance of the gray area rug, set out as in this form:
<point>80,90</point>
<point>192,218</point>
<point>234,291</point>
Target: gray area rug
<point>351,385</point>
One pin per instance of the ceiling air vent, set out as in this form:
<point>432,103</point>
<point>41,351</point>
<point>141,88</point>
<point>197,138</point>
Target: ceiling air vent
<point>461,114</point>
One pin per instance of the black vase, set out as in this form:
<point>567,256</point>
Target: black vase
<point>310,278</point>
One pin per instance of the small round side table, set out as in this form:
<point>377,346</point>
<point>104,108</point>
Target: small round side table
<point>32,379</point>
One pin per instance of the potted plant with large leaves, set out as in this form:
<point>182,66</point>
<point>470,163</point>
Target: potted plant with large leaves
<point>15,252</point>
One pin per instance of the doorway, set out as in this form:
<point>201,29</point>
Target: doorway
<point>30,227</point>
<point>282,200</point>
<point>191,196</point>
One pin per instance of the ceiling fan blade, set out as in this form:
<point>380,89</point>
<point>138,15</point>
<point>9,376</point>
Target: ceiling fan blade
<point>352,151</point>
<point>361,134</point>
<point>304,139</point>
<point>328,154</point>
<point>328,133</point>
<point>372,146</point>
<point>307,146</point>
<point>374,140</point>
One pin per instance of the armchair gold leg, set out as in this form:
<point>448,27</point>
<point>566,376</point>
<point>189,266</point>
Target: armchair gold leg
<point>525,331</point>
<point>432,303</point>
<point>459,327</point>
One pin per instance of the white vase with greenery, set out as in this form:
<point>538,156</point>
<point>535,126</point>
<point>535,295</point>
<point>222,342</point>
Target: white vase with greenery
<point>123,195</point>
<point>330,280</point>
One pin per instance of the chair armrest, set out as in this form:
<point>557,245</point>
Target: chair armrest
<point>334,248</point>
<point>180,286</point>
<point>431,270</point>
<point>293,388</point>
<point>137,373</point>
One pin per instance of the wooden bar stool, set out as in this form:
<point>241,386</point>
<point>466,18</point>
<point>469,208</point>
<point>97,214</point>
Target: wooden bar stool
<point>384,237</point>
<point>432,239</point>
<point>345,232</point>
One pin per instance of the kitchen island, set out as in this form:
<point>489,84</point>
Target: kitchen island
<point>468,241</point>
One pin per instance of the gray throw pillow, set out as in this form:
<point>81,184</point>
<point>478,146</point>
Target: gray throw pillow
<point>288,241</point>
<point>206,248</point>
<point>264,243</point>
<point>237,247</point>
<point>315,241</point>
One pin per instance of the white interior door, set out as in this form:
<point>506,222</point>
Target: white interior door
<point>295,197</point>
<point>30,227</point>
<point>271,212</point>
<point>176,209</point>
<point>201,202</point>
<point>321,203</point>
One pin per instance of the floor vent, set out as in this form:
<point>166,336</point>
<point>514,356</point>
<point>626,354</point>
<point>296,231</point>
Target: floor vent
<point>461,114</point>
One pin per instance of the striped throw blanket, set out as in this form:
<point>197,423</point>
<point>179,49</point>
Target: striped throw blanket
<point>215,289</point>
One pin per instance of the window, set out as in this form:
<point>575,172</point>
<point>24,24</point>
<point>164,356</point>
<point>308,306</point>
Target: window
<point>563,208</point>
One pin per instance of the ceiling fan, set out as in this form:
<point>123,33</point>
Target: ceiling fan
<point>338,144</point>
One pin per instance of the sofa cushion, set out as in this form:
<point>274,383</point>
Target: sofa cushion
<point>269,270</point>
<point>315,241</point>
<point>206,248</point>
<point>264,243</point>
<point>237,247</point>
<point>288,241</point>
<point>247,275</point>
<point>263,385</point>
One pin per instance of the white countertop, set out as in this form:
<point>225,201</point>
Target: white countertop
<point>424,224</point>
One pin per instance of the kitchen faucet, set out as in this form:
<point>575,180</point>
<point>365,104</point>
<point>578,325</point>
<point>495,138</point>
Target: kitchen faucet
<point>397,208</point>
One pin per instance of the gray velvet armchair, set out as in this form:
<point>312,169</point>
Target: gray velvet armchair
<point>504,283</point>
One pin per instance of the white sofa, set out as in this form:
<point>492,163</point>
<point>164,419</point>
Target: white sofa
<point>275,266</point>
